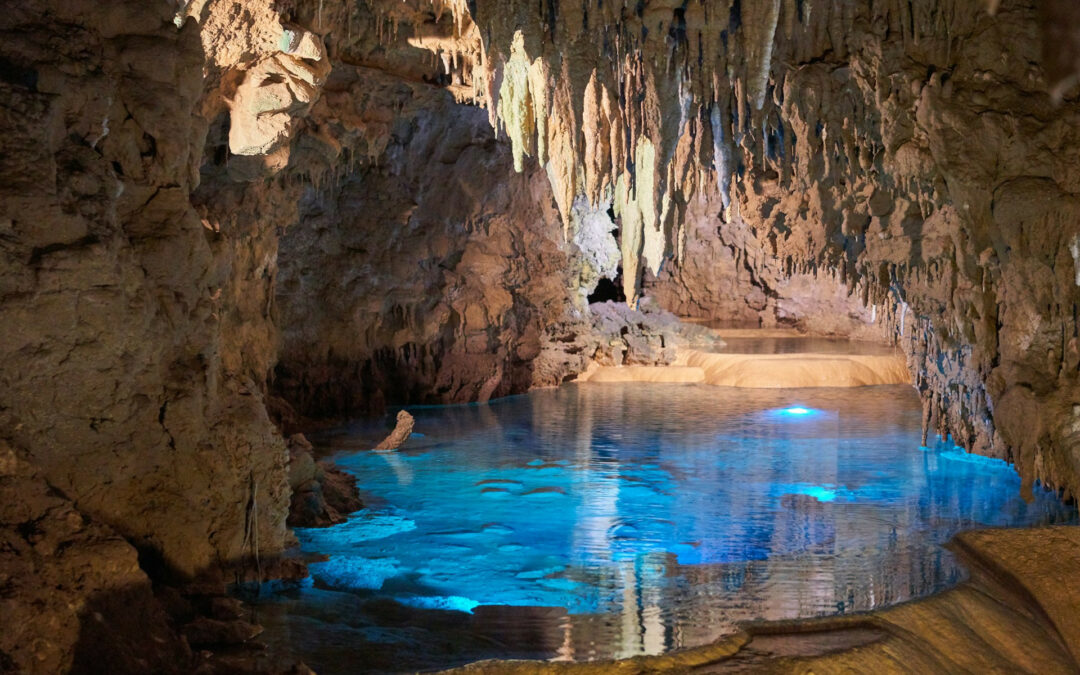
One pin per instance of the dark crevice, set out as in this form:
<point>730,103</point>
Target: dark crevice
<point>609,290</point>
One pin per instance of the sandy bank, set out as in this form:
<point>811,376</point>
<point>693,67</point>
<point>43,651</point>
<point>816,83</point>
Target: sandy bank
<point>764,371</point>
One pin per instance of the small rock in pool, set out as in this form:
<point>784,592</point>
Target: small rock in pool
<point>401,432</point>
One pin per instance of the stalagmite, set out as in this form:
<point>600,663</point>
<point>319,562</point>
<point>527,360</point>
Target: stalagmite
<point>402,429</point>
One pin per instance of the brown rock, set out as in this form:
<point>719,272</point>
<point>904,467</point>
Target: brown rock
<point>904,171</point>
<point>400,434</point>
<point>322,494</point>
<point>73,595</point>
<point>207,632</point>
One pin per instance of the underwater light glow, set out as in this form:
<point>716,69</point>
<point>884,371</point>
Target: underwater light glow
<point>822,494</point>
<point>798,412</point>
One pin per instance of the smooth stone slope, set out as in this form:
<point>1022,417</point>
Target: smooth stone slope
<point>776,371</point>
<point>994,623</point>
<point>763,371</point>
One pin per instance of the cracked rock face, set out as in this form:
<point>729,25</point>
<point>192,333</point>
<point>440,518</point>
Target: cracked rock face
<point>125,388</point>
<point>90,600</point>
<point>119,382</point>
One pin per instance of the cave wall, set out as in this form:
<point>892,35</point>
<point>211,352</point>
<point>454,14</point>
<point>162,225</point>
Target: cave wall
<point>135,328</point>
<point>116,381</point>
<point>429,272</point>
<point>152,160</point>
<point>725,274</point>
<point>933,176</point>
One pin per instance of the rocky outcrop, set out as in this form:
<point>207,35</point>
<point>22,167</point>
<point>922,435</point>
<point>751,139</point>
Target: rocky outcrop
<point>134,323</point>
<point>71,589</point>
<point>120,380</point>
<point>612,334</point>
<point>322,494</point>
<point>400,434</point>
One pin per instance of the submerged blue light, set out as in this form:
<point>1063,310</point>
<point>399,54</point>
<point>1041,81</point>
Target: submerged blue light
<point>820,493</point>
<point>796,412</point>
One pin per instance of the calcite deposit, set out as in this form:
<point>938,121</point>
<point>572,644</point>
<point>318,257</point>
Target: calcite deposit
<point>211,206</point>
<point>322,494</point>
<point>402,430</point>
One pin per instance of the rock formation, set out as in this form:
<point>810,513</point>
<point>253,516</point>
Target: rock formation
<point>73,591</point>
<point>427,275</point>
<point>322,494</point>
<point>898,169</point>
<point>400,434</point>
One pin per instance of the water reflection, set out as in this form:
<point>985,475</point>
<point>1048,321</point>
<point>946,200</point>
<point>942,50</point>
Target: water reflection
<point>611,520</point>
<point>798,345</point>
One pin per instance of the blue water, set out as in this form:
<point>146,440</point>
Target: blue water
<point>655,517</point>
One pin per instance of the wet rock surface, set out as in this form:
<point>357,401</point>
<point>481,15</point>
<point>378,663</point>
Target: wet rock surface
<point>322,494</point>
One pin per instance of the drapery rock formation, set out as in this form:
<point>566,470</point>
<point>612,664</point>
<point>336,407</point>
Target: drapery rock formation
<point>903,170</point>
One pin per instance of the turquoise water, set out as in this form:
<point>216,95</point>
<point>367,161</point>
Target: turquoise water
<point>607,520</point>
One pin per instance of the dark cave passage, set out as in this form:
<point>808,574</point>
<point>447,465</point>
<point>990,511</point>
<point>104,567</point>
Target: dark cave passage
<point>608,290</point>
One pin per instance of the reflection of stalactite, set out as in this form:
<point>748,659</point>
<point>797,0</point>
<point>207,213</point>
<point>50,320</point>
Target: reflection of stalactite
<point>402,470</point>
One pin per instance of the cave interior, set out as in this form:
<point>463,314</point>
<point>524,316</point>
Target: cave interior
<point>230,225</point>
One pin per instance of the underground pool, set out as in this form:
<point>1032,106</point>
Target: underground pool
<point>609,520</point>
